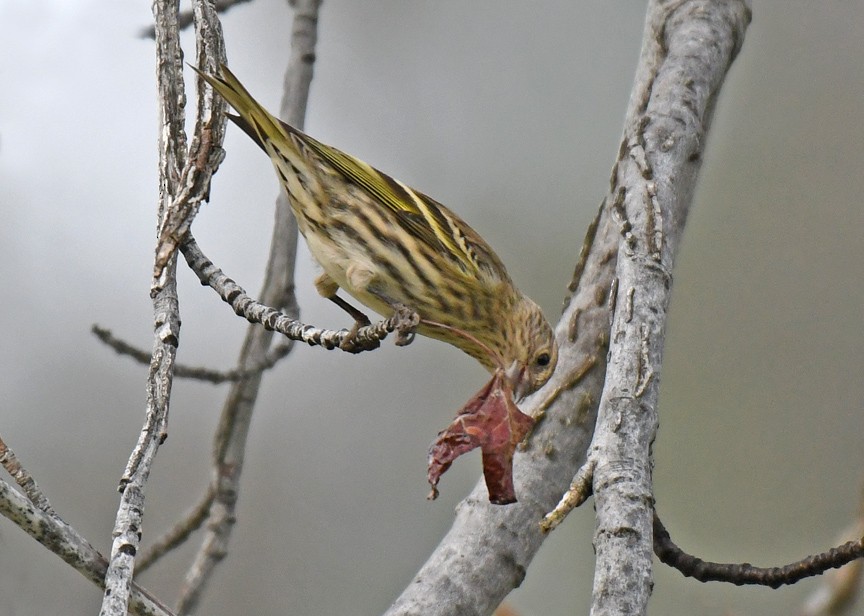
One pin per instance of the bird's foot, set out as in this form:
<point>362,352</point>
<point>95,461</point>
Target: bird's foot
<point>404,322</point>
<point>350,342</point>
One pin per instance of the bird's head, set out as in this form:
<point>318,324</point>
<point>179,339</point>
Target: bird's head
<point>522,347</point>
<point>527,349</point>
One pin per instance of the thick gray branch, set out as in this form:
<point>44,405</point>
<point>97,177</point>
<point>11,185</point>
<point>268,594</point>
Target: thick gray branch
<point>489,548</point>
<point>687,49</point>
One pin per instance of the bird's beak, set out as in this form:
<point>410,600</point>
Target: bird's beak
<point>515,376</point>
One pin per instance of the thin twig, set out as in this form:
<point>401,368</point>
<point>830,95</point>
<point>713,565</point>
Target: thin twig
<point>128,523</point>
<point>191,372</point>
<point>190,522</point>
<point>745,573</point>
<point>580,490</point>
<point>365,339</point>
<point>194,168</point>
<point>24,479</point>
<point>277,290</point>
<point>184,183</point>
<point>185,18</point>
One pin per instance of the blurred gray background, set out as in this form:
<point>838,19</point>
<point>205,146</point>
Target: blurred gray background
<point>511,114</point>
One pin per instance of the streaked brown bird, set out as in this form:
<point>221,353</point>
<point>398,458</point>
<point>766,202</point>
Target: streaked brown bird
<point>387,245</point>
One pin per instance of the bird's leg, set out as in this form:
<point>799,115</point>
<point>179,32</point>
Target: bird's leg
<point>405,319</point>
<point>360,318</point>
<point>327,287</point>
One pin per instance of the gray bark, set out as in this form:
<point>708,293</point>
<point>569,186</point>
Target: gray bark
<point>688,47</point>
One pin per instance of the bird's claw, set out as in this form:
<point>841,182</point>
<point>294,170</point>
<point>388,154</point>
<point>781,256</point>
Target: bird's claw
<point>405,322</point>
<point>351,344</point>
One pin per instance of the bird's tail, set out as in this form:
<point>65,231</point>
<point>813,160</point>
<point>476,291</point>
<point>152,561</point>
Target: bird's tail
<point>283,143</point>
<point>255,121</point>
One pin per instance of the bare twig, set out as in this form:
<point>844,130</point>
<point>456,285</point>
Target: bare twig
<point>24,479</point>
<point>184,18</point>
<point>232,433</point>
<point>688,47</point>
<point>127,526</point>
<point>190,186</point>
<point>184,180</point>
<point>578,493</point>
<point>119,345</point>
<point>365,339</point>
<point>745,573</point>
<point>64,541</point>
<point>190,522</point>
<point>191,372</point>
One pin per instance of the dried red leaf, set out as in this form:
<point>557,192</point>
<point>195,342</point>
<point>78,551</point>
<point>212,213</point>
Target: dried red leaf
<point>489,420</point>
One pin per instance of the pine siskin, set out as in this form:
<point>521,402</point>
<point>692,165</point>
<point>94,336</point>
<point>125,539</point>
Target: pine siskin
<point>388,246</point>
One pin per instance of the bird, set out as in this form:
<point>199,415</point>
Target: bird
<point>388,246</point>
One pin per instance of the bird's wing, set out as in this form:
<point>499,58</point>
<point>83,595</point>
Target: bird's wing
<point>423,217</point>
<point>420,215</point>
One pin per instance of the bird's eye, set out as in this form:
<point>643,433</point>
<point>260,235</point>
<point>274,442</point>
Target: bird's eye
<point>543,359</point>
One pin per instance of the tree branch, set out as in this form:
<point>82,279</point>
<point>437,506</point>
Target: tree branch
<point>35,516</point>
<point>364,339</point>
<point>488,548</point>
<point>194,169</point>
<point>24,479</point>
<point>184,181</point>
<point>277,290</point>
<point>745,573</point>
<point>192,372</point>
<point>191,521</point>
<point>687,49</point>
<point>184,18</point>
